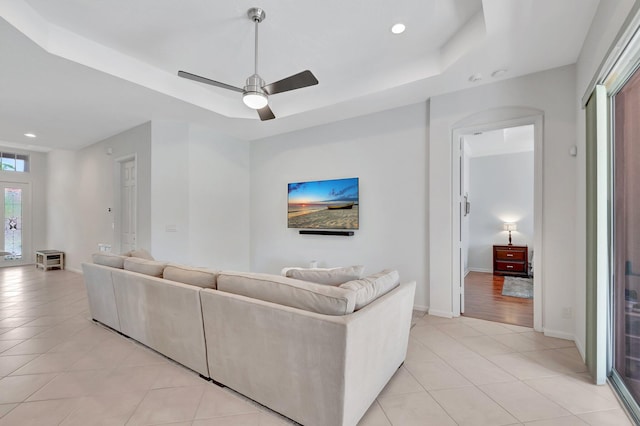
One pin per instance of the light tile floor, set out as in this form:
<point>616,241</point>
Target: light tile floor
<point>57,367</point>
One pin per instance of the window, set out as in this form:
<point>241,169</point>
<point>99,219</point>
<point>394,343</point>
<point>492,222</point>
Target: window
<point>10,162</point>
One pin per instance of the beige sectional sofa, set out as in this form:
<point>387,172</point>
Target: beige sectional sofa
<point>318,354</point>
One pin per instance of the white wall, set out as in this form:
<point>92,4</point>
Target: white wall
<point>170,191</point>
<point>193,180</point>
<point>608,20</point>
<point>81,192</point>
<point>62,204</point>
<point>219,200</point>
<point>200,196</point>
<point>388,152</point>
<point>552,92</point>
<point>501,187</point>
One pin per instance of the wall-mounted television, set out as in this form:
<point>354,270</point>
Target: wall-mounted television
<point>324,204</point>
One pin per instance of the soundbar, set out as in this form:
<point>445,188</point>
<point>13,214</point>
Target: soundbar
<point>340,233</point>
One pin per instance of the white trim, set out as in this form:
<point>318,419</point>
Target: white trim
<point>28,251</point>
<point>484,270</point>
<point>514,116</point>
<point>603,174</point>
<point>559,334</point>
<point>613,61</point>
<point>421,308</point>
<point>580,348</point>
<point>442,314</point>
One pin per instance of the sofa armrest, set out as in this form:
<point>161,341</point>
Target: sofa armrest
<point>163,315</point>
<point>377,341</point>
<point>315,369</point>
<point>102,299</point>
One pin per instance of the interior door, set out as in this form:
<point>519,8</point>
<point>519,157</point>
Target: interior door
<point>128,205</point>
<point>16,219</point>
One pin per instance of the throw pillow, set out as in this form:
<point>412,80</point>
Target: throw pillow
<point>322,299</point>
<point>332,276</point>
<point>370,288</point>
<point>141,253</point>
<point>144,266</point>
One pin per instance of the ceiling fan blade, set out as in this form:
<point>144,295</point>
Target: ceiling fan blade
<point>265,113</point>
<point>297,81</point>
<point>204,80</point>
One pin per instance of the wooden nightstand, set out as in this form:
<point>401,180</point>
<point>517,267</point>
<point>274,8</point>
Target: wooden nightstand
<point>511,260</point>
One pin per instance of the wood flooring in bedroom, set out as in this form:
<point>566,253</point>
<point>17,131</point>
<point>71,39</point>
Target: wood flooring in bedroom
<point>483,299</point>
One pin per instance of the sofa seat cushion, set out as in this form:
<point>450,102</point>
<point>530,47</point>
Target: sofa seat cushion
<point>370,288</point>
<point>329,276</point>
<point>108,259</point>
<point>200,277</point>
<point>311,297</point>
<point>144,266</point>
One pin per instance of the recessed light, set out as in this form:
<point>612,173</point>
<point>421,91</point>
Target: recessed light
<point>398,28</point>
<point>30,135</point>
<point>475,77</point>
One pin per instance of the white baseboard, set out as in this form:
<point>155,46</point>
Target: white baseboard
<point>559,334</point>
<point>78,271</point>
<point>421,308</point>
<point>440,313</point>
<point>466,272</point>
<point>580,347</point>
<point>481,270</point>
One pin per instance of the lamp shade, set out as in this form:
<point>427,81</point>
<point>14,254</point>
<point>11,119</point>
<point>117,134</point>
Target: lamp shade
<point>510,226</point>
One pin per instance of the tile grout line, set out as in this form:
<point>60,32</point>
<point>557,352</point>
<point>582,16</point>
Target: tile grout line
<point>478,386</point>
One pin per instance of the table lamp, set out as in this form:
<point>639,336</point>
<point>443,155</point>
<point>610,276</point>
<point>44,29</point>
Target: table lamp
<point>510,227</point>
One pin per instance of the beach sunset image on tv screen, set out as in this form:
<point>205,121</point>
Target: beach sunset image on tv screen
<point>324,204</point>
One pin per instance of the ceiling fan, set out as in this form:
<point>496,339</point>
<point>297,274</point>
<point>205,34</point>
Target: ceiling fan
<point>255,93</point>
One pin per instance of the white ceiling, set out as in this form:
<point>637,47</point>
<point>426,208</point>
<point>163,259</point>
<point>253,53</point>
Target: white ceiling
<point>75,71</point>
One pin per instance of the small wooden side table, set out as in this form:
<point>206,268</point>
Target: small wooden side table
<point>49,259</point>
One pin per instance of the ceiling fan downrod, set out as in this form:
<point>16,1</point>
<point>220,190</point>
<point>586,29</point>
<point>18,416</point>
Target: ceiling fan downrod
<point>257,15</point>
<point>254,96</point>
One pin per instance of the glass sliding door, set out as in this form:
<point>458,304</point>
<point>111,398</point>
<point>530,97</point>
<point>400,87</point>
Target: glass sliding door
<point>626,236</point>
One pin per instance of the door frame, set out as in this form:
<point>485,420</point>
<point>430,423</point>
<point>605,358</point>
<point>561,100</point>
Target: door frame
<point>474,125</point>
<point>117,194</point>
<point>27,223</point>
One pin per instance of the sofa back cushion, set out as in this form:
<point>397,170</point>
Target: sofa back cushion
<point>108,259</point>
<point>144,266</point>
<point>200,277</point>
<point>311,297</point>
<point>370,288</point>
<point>332,276</point>
<point>141,253</point>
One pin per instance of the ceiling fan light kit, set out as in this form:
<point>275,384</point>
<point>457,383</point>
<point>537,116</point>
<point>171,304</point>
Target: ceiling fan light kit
<point>255,93</point>
<point>254,96</point>
<point>255,100</point>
